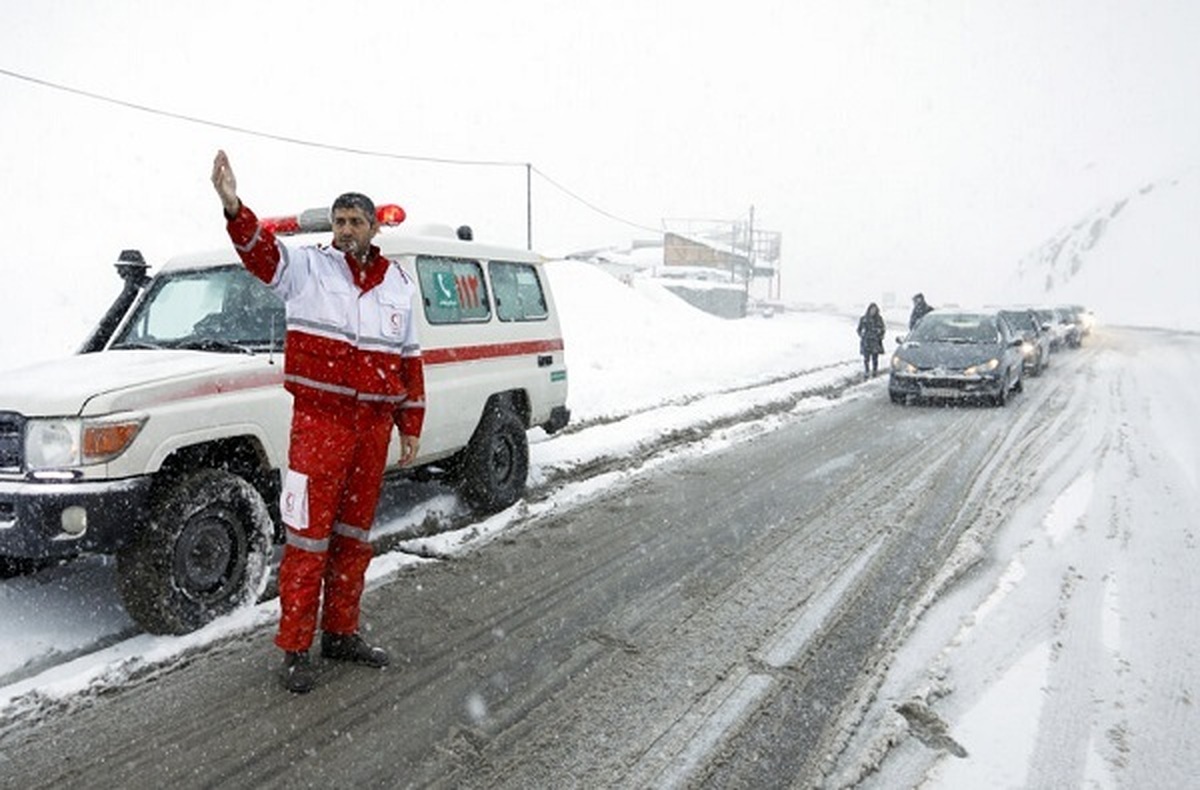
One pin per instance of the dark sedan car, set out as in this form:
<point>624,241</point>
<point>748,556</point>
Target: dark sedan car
<point>1036,347</point>
<point>954,354</point>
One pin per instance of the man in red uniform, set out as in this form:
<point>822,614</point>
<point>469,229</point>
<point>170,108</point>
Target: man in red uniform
<point>353,367</point>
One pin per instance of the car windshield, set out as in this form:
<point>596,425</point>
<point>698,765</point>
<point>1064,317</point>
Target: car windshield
<point>955,328</point>
<point>1021,320</point>
<point>217,309</point>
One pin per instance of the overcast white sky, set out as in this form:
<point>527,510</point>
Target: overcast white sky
<point>895,144</point>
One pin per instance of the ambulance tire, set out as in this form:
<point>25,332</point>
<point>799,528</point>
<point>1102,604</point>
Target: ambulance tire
<point>492,470</point>
<point>203,553</point>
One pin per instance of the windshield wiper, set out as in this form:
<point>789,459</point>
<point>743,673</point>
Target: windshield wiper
<point>138,344</point>
<point>211,344</point>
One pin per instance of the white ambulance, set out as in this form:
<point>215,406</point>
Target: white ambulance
<point>162,440</point>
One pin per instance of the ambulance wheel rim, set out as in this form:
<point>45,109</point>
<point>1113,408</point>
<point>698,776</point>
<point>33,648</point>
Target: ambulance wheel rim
<point>208,554</point>
<point>502,459</point>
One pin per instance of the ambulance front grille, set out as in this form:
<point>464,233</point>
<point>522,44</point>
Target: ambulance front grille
<point>11,427</point>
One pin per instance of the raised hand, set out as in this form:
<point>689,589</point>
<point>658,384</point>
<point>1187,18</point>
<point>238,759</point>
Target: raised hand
<point>225,183</point>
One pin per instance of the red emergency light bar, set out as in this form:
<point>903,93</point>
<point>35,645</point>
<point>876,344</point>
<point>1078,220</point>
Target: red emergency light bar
<point>316,220</point>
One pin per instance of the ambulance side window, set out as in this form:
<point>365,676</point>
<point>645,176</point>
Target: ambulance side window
<point>453,290</point>
<point>519,295</point>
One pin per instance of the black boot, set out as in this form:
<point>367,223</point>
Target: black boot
<point>298,674</point>
<point>352,647</point>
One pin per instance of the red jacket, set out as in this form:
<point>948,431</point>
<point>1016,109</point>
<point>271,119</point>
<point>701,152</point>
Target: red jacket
<point>351,337</point>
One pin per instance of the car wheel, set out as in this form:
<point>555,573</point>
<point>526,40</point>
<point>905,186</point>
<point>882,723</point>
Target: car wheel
<point>1000,399</point>
<point>492,471</point>
<point>203,553</point>
<point>1019,384</point>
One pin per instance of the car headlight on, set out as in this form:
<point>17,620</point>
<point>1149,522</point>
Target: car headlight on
<point>901,366</point>
<point>986,367</point>
<point>69,441</point>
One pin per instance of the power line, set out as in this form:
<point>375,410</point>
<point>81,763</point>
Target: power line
<point>591,205</point>
<point>255,132</point>
<point>317,144</point>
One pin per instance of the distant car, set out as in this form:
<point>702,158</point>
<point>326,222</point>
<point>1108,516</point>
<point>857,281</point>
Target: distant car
<point>1062,331</point>
<point>958,354</point>
<point>1036,345</point>
<point>1087,317</point>
<point>1080,317</point>
<point>1071,328</point>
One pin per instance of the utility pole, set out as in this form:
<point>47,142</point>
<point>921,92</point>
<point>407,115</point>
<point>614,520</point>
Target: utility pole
<point>750,239</point>
<point>749,259</point>
<point>750,249</point>
<point>734,233</point>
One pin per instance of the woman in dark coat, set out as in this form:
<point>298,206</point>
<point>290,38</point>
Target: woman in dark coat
<point>870,344</point>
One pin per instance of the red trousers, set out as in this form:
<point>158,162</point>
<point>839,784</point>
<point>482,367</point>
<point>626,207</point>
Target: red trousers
<point>336,462</point>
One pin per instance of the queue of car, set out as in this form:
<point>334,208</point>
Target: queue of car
<point>981,354</point>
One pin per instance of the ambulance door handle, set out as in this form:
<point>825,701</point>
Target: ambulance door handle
<point>545,360</point>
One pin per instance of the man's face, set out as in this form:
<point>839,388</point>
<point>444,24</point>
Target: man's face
<point>353,231</point>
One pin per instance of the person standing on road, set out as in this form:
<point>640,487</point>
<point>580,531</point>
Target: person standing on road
<point>871,331</point>
<point>353,366</point>
<point>920,308</point>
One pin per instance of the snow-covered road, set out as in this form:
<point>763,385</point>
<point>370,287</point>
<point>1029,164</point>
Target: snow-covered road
<point>1052,648</point>
<point>1058,645</point>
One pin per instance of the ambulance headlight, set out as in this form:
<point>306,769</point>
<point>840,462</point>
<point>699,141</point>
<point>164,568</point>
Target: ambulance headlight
<point>51,443</point>
<point>65,442</point>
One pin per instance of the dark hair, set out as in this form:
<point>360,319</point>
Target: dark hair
<point>355,200</point>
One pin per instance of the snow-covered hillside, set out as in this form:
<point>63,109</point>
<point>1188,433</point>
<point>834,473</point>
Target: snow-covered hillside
<point>1133,261</point>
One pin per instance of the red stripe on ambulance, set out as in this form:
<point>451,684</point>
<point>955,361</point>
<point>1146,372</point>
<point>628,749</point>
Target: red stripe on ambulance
<point>445,356</point>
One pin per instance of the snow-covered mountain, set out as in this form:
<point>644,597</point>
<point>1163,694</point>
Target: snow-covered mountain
<point>1134,261</point>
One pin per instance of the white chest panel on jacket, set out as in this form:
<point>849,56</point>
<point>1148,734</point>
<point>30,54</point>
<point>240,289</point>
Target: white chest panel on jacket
<point>322,299</point>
